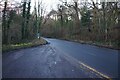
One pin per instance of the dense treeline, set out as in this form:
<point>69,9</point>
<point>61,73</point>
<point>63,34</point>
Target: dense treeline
<point>95,22</point>
<point>22,26</point>
<point>90,22</point>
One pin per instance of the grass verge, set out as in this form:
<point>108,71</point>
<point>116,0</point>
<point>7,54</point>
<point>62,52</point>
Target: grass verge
<point>113,45</point>
<point>36,42</point>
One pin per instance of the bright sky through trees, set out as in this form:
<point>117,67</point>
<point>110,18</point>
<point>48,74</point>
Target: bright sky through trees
<point>51,4</point>
<point>48,4</point>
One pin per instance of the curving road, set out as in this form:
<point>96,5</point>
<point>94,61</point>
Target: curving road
<point>103,60</point>
<point>61,59</point>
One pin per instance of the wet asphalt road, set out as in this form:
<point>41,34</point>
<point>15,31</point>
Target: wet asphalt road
<point>38,62</point>
<point>103,60</point>
<point>60,59</point>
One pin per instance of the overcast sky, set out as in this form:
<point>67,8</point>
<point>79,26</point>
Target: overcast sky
<point>51,4</point>
<point>48,4</point>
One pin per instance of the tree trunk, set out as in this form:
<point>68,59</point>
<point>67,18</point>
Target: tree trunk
<point>24,20</point>
<point>27,21</point>
<point>4,24</point>
<point>77,17</point>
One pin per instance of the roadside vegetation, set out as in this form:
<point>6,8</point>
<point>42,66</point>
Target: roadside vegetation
<point>85,22</point>
<point>33,43</point>
<point>20,27</point>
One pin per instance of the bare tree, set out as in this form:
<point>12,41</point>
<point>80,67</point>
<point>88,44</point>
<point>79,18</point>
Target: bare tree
<point>24,19</point>
<point>27,19</point>
<point>4,36</point>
